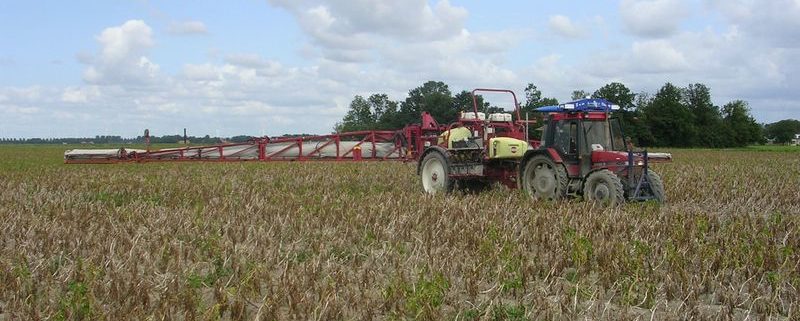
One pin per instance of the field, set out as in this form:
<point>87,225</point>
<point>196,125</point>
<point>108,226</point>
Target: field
<point>244,241</point>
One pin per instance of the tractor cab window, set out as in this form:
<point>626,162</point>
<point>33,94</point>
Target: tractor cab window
<point>566,137</point>
<point>604,135</point>
<point>617,137</point>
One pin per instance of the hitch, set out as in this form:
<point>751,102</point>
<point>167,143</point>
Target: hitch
<point>643,182</point>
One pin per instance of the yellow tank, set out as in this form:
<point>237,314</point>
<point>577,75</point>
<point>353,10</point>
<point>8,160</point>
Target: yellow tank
<point>456,134</point>
<point>506,147</point>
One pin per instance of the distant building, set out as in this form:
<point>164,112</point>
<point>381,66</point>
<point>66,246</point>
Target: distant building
<point>796,140</point>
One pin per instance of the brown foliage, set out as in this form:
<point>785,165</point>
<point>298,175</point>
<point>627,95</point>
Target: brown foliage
<point>246,241</point>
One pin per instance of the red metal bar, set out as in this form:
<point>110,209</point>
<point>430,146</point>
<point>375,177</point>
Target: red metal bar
<point>204,153</point>
<point>281,151</point>
<point>374,150</point>
<point>319,148</point>
<point>338,155</point>
<point>300,149</point>
<point>354,146</point>
<point>236,154</point>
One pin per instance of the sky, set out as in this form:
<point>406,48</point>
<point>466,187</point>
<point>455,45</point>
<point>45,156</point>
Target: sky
<point>223,68</point>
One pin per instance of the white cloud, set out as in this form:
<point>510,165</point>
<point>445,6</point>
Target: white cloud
<point>364,47</point>
<point>187,28</point>
<point>775,23</point>
<point>393,46</point>
<point>344,28</point>
<point>563,26</point>
<point>122,42</point>
<point>658,56</point>
<point>248,60</point>
<point>204,72</point>
<point>122,59</point>
<point>14,109</point>
<point>80,94</point>
<point>653,18</point>
<point>415,19</point>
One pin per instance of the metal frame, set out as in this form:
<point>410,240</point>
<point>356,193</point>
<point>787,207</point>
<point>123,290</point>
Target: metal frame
<point>291,149</point>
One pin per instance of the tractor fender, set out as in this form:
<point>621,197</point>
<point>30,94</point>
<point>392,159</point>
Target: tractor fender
<point>432,149</point>
<point>550,152</point>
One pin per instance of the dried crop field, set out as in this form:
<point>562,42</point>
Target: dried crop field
<point>276,241</point>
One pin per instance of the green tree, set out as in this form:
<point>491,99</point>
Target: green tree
<point>634,127</point>
<point>579,94</point>
<point>359,117</point>
<point>375,112</point>
<point>533,100</point>
<point>433,97</point>
<point>707,117</point>
<point>617,93</point>
<point>384,112</point>
<point>741,126</point>
<point>783,131</point>
<point>670,122</point>
<point>463,102</point>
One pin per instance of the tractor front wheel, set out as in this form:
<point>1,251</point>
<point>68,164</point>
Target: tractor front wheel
<point>604,187</point>
<point>544,179</point>
<point>434,174</point>
<point>656,186</point>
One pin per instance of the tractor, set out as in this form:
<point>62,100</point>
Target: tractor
<point>582,153</point>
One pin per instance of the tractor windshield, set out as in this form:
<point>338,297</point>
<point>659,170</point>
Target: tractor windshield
<point>604,135</point>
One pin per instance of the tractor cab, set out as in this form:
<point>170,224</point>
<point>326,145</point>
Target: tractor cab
<point>584,134</point>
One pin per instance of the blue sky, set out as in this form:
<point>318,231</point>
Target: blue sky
<point>85,68</point>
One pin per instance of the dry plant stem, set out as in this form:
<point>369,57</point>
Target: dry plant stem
<point>276,241</point>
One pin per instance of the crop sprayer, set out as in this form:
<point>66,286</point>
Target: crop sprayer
<point>582,152</point>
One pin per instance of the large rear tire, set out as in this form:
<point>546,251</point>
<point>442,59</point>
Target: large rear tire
<point>434,173</point>
<point>604,187</point>
<point>543,179</point>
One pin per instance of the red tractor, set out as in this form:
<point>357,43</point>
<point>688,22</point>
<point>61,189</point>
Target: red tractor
<point>582,153</point>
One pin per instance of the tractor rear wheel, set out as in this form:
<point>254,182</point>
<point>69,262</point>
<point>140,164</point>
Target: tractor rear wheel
<point>605,187</point>
<point>434,173</point>
<point>544,179</point>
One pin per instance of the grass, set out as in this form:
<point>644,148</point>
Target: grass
<point>773,148</point>
<point>275,241</point>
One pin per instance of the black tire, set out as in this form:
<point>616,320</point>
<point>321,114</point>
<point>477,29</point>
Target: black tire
<point>656,186</point>
<point>434,173</point>
<point>544,179</point>
<point>604,187</point>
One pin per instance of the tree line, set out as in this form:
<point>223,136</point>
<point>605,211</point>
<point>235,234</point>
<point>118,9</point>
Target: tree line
<point>673,116</point>
<point>166,139</point>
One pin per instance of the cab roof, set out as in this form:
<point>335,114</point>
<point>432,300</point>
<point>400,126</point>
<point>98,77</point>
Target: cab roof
<point>582,105</point>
